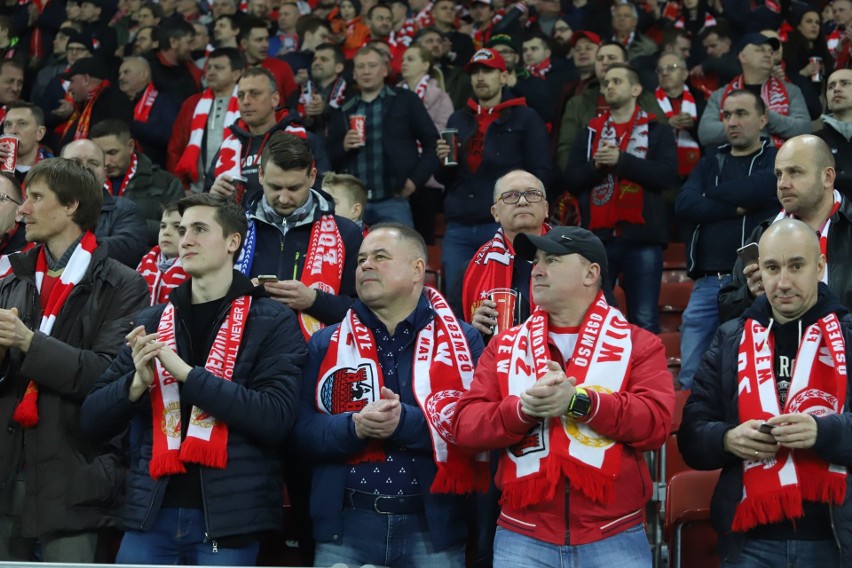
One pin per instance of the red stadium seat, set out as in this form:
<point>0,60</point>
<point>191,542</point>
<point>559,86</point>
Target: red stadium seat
<point>692,540</point>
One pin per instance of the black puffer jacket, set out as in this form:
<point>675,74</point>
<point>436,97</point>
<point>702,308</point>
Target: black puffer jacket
<point>72,485</point>
<point>259,406</point>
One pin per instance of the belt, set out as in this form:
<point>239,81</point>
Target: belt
<point>714,273</point>
<point>383,504</point>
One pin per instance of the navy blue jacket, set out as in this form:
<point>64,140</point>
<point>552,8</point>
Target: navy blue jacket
<point>152,136</point>
<point>404,123</point>
<point>710,199</point>
<point>121,230</point>
<point>518,140</point>
<point>655,173</point>
<point>329,440</point>
<point>712,410</point>
<point>259,406</point>
<point>284,256</point>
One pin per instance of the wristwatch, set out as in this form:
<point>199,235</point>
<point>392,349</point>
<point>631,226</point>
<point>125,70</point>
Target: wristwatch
<point>579,405</point>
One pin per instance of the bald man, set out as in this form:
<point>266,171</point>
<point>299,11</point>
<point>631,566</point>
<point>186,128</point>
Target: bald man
<point>121,228</point>
<point>805,173</point>
<point>837,126</point>
<point>782,497</point>
<point>154,113</point>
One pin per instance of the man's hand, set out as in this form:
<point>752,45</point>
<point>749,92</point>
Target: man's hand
<point>754,279</point>
<point>352,140</point>
<point>485,316</point>
<point>291,293</point>
<point>224,185</point>
<point>812,68</point>
<point>442,149</point>
<point>794,430</point>
<point>747,442</point>
<point>778,72</point>
<point>550,395</point>
<point>682,121</point>
<point>301,77</point>
<point>607,156</point>
<point>379,419</point>
<point>172,363</point>
<point>315,106</point>
<point>143,349</point>
<point>407,189</point>
<point>13,332</point>
<point>64,110</point>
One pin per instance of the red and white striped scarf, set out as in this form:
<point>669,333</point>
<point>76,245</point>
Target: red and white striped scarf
<point>206,440</point>
<point>160,284</point>
<point>709,20</point>
<point>26,413</point>
<point>823,230</point>
<point>350,378</point>
<point>774,489</point>
<point>540,69</point>
<point>774,94</point>
<point>128,175</point>
<point>188,164</point>
<point>688,150</point>
<point>323,268</point>
<point>562,447</point>
<point>143,107</point>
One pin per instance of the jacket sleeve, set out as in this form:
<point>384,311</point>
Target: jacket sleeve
<point>702,432</point>
<point>797,121</point>
<point>537,156</point>
<point>755,192</point>
<point>581,171</point>
<point>262,406</point>
<point>710,129</point>
<point>658,170</point>
<point>447,175</point>
<point>736,298</point>
<point>424,131</point>
<point>337,128</point>
<point>71,371</point>
<point>639,416</point>
<point>180,134</point>
<point>128,239</point>
<point>569,129</point>
<point>330,308</point>
<point>693,205</point>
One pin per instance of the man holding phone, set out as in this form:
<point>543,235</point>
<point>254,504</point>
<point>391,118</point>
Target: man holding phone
<point>727,195</point>
<point>777,429</point>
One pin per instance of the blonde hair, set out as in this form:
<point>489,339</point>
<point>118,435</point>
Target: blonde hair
<point>433,71</point>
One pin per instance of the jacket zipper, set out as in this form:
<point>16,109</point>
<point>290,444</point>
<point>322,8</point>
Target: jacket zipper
<point>204,508</point>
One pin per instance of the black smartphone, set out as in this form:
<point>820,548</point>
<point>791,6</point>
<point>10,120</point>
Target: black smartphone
<point>748,254</point>
<point>766,428</point>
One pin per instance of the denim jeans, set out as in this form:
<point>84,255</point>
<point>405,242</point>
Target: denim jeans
<point>628,549</point>
<point>392,210</point>
<point>786,554</point>
<point>177,537</point>
<point>641,266</point>
<point>459,245</point>
<point>386,540</point>
<point>698,325</point>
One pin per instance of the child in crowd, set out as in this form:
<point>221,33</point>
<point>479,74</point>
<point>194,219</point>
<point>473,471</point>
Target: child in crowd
<point>350,197</point>
<point>161,265</point>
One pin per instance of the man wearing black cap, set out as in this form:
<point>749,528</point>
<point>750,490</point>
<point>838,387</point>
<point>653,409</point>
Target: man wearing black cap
<point>94,99</point>
<point>574,393</point>
<point>786,107</point>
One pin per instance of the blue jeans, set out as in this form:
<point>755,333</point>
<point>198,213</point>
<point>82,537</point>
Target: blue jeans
<point>177,537</point>
<point>698,325</point>
<point>386,540</point>
<point>628,549</point>
<point>786,554</point>
<point>642,268</point>
<point>459,245</point>
<point>392,210</point>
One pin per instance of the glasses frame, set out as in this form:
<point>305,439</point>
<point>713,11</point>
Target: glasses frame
<point>4,198</point>
<point>525,194</point>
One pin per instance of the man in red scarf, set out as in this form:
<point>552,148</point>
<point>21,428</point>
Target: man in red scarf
<point>571,398</point>
<point>770,406</point>
<point>58,489</point>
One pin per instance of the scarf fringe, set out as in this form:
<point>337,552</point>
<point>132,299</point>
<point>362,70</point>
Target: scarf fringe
<point>167,463</point>
<point>455,477</point>
<point>373,452</point>
<point>831,490</point>
<point>195,450</point>
<point>26,413</point>
<point>592,483</point>
<point>767,509</point>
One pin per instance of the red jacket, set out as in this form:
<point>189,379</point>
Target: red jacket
<point>180,135</point>
<point>283,75</point>
<point>639,417</point>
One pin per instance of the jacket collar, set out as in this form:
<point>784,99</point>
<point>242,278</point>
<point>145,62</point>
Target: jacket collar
<point>419,318</point>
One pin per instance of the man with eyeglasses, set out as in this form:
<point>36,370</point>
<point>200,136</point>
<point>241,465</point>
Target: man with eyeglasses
<point>682,108</point>
<point>12,235</point>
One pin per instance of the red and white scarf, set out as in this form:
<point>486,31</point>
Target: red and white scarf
<point>709,20</point>
<point>128,175</point>
<point>774,489</point>
<point>350,378</point>
<point>82,119</point>
<point>823,230</point>
<point>688,150</point>
<point>540,69</point>
<point>188,163</point>
<point>206,440</point>
<point>323,268</point>
<point>615,200</point>
<point>774,94</point>
<point>26,413</point>
<point>160,284</point>
<point>491,268</point>
<point>142,110</point>
<point>562,448</point>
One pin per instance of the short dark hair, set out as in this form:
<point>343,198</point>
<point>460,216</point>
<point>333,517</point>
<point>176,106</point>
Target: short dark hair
<point>548,43</point>
<point>36,111</point>
<point>339,57</point>
<point>229,214</point>
<point>721,30</point>
<point>288,152</point>
<point>250,23</point>
<point>311,24</point>
<point>156,9</point>
<point>671,35</point>
<point>173,29</point>
<point>427,30</point>
<point>374,7</point>
<point>12,63</point>
<point>759,104</point>
<point>155,32</point>
<point>232,21</point>
<point>406,233</point>
<point>615,44</point>
<point>17,190</point>
<point>71,182</point>
<point>234,55</point>
<point>110,127</point>
<point>262,72</point>
<point>170,207</point>
<point>632,74</point>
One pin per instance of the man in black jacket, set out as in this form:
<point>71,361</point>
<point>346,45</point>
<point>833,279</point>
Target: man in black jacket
<point>805,173</point>
<point>837,127</point>
<point>771,406</point>
<point>64,312</point>
<point>209,386</point>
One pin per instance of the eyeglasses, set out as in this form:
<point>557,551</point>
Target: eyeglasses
<point>512,197</point>
<point>4,198</point>
<point>669,68</point>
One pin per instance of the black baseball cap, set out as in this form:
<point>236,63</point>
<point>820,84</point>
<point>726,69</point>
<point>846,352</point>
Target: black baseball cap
<point>755,38</point>
<point>87,66</point>
<point>563,240</point>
